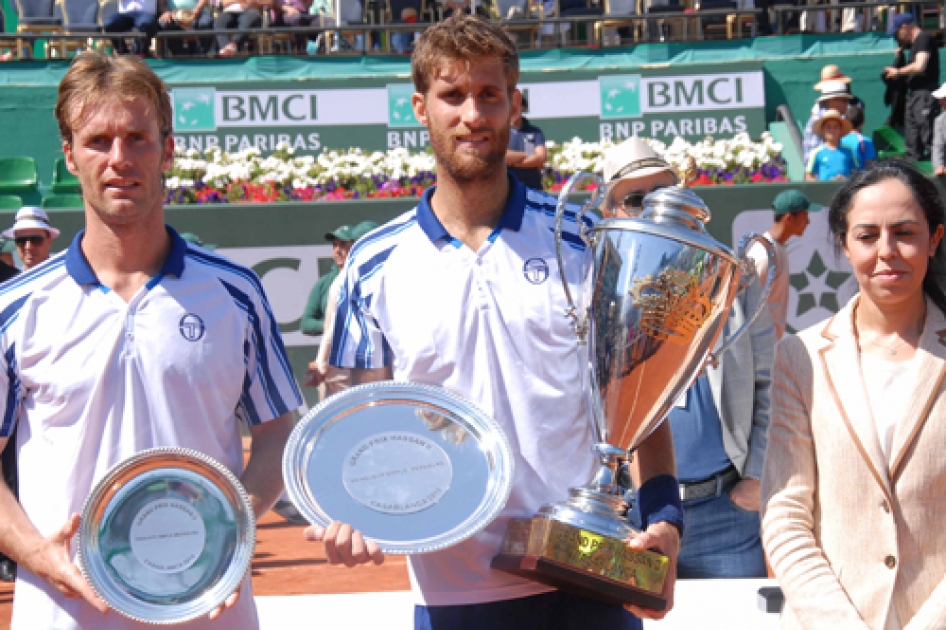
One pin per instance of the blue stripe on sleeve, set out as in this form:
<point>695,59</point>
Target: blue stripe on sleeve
<point>13,394</point>
<point>8,315</point>
<point>250,415</point>
<point>277,406</point>
<point>276,343</point>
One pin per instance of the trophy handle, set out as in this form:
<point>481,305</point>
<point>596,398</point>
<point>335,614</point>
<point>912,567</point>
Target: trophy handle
<point>746,277</point>
<point>572,311</point>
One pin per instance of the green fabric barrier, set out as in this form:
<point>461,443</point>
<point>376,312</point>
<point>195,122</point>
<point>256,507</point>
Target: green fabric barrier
<point>793,160</point>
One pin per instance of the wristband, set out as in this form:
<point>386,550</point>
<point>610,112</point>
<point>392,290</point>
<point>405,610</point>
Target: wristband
<point>659,501</point>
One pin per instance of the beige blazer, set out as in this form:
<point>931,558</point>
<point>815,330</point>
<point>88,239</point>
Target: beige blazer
<point>847,534</point>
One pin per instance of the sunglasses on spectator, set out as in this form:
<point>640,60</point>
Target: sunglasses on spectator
<point>634,201</point>
<point>35,239</point>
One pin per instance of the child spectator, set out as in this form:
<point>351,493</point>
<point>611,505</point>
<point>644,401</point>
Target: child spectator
<point>860,145</point>
<point>938,155</point>
<point>831,160</point>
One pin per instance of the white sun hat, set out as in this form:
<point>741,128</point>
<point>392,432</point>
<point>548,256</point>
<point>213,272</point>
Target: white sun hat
<point>31,218</point>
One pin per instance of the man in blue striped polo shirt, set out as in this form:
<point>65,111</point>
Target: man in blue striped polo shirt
<point>464,292</point>
<point>128,340</point>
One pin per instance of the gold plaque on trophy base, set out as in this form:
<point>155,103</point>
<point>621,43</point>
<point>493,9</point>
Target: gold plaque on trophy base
<point>583,562</point>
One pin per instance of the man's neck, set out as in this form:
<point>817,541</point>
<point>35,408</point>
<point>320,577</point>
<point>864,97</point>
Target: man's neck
<point>831,145</point>
<point>779,233</point>
<point>125,257</point>
<point>469,211</point>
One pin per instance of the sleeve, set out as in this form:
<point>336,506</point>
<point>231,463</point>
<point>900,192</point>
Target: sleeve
<point>762,336</point>
<point>539,137</point>
<point>313,317</point>
<point>932,614</point>
<point>269,387</point>
<point>761,261</point>
<point>788,500</point>
<point>10,385</point>
<point>358,341</point>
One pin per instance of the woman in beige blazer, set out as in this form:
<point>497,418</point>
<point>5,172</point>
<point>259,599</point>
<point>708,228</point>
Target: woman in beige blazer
<point>854,482</point>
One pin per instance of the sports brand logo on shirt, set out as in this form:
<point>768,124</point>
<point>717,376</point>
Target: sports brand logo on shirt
<point>536,270</point>
<point>192,327</point>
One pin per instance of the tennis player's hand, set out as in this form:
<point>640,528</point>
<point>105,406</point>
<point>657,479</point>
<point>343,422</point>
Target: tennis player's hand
<point>52,561</point>
<point>230,602</point>
<point>664,538</point>
<point>345,545</point>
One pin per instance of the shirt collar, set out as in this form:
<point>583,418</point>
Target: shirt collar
<point>511,218</point>
<point>80,270</point>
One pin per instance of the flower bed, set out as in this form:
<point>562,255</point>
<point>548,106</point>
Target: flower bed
<point>719,162</point>
<point>214,176</point>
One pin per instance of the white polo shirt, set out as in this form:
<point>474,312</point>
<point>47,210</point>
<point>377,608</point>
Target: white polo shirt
<point>489,325</point>
<point>91,380</point>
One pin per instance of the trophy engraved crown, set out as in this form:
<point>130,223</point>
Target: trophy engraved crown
<point>672,306</point>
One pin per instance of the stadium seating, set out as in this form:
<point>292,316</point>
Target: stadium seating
<point>17,175</point>
<point>10,202</point>
<point>64,182</point>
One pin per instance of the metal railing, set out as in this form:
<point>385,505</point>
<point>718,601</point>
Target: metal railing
<point>549,31</point>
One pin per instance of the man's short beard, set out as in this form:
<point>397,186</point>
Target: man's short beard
<point>468,171</point>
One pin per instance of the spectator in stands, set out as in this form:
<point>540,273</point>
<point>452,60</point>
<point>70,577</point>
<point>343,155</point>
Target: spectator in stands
<point>939,134</point>
<point>238,14</point>
<point>860,145</point>
<point>831,160</point>
<point>313,317</point>
<point>185,15</point>
<point>836,95</point>
<point>138,15</point>
<point>895,92</point>
<point>922,74</point>
<point>33,235</point>
<point>791,219</point>
<point>632,170</point>
<point>526,154</point>
<point>295,13</point>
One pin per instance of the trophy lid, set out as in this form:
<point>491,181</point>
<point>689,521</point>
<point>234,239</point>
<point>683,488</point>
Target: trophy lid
<point>676,204</point>
<point>675,213</point>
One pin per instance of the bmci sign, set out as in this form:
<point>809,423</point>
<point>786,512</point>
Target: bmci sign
<point>206,109</point>
<point>634,96</point>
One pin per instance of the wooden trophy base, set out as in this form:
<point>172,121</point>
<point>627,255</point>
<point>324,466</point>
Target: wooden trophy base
<point>583,562</point>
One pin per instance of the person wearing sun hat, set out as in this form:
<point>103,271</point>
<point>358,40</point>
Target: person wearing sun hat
<point>33,235</point>
<point>632,170</point>
<point>834,95</point>
<point>831,160</point>
<point>922,78</point>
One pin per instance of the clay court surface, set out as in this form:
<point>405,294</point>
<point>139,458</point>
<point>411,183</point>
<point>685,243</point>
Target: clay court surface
<point>285,564</point>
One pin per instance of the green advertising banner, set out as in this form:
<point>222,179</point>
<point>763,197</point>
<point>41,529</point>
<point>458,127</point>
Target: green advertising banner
<point>377,115</point>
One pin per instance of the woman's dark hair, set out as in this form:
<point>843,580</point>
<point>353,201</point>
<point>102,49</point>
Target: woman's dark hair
<point>927,197</point>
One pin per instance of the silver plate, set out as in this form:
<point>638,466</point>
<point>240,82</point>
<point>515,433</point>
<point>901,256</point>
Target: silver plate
<point>414,467</point>
<point>166,536</point>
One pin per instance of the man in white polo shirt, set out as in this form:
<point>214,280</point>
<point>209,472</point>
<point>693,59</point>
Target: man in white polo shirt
<point>130,339</point>
<point>33,235</point>
<point>464,292</point>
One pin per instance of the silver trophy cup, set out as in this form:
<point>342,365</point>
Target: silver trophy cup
<point>655,294</point>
